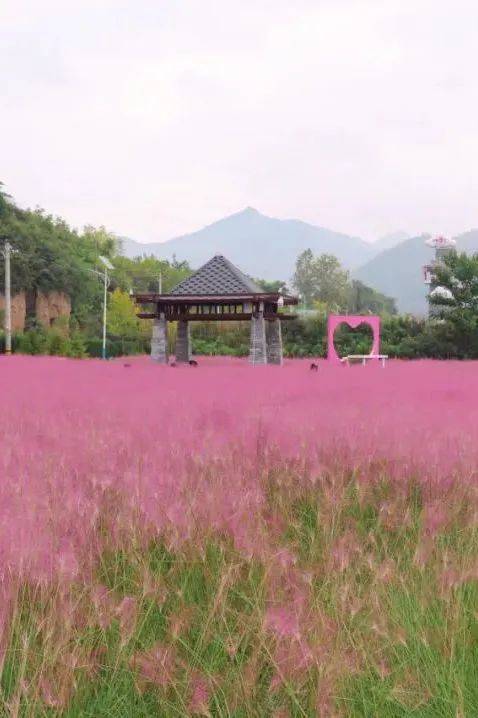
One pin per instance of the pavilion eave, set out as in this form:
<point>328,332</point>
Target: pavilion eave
<point>154,298</point>
<point>203,317</point>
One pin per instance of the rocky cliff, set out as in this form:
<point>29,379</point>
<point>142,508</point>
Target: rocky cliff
<point>51,306</point>
<point>47,308</point>
<point>18,310</point>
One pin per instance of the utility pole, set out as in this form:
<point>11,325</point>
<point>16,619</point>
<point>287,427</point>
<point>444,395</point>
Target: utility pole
<point>8,300</point>
<point>105,297</point>
<point>107,265</point>
<point>160,283</point>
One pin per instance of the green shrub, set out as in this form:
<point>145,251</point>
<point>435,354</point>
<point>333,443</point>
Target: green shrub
<point>115,347</point>
<point>402,337</point>
<point>57,345</point>
<point>77,347</point>
<point>33,342</point>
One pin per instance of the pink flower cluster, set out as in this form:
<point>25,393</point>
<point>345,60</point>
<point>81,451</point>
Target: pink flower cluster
<point>179,450</point>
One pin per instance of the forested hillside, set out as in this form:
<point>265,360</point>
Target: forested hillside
<point>48,255</point>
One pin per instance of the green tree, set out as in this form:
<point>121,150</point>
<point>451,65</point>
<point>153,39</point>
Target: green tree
<point>455,300</point>
<point>362,299</point>
<point>304,279</point>
<point>122,319</point>
<point>4,201</point>
<point>272,286</point>
<point>320,278</point>
<point>331,280</point>
<point>144,274</point>
<point>101,241</point>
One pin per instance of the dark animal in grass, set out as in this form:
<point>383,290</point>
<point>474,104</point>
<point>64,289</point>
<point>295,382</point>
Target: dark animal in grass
<point>127,366</point>
<point>314,367</point>
<point>193,362</point>
<point>173,363</point>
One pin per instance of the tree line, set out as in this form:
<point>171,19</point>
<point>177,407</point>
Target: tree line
<point>52,256</point>
<point>322,283</point>
<point>324,287</point>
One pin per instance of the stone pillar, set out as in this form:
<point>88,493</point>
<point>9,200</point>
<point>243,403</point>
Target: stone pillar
<point>258,353</point>
<point>183,342</point>
<point>159,340</point>
<point>274,341</point>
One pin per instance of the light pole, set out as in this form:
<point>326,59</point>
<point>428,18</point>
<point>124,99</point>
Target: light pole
<point>107,265</point>
<point>8,300</point>
<point>104,276</point>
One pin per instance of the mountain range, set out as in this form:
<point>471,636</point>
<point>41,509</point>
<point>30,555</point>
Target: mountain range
<point>398,271</point>
<point>261,246</point>
<point>267,247</point>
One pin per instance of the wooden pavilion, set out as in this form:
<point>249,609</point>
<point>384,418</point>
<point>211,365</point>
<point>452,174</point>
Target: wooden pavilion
<point>218,291</point>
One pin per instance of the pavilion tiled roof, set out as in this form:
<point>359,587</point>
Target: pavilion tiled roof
<point>217,277</point>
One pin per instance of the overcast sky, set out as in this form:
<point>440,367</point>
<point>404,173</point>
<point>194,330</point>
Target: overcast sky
<point>156,117</point>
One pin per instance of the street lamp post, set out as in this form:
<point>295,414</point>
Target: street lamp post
<point>104,276</point>
<point>107,265</point>
<point>8,300</point>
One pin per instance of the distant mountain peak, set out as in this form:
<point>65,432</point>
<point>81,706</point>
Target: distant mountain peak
<point>247,214</point>
<point>397,236</point>
<point>392,239</point>
<point>263,246</point>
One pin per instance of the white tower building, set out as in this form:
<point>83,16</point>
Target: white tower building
<point>442,247</point>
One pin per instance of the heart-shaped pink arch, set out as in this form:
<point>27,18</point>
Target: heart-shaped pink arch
<point>352,321</point>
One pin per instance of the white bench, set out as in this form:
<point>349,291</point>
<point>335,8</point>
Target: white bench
<point>364,358</point>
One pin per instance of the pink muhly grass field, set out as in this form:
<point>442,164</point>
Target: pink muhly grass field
<point>186,447</point>
<point>312,476</point>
